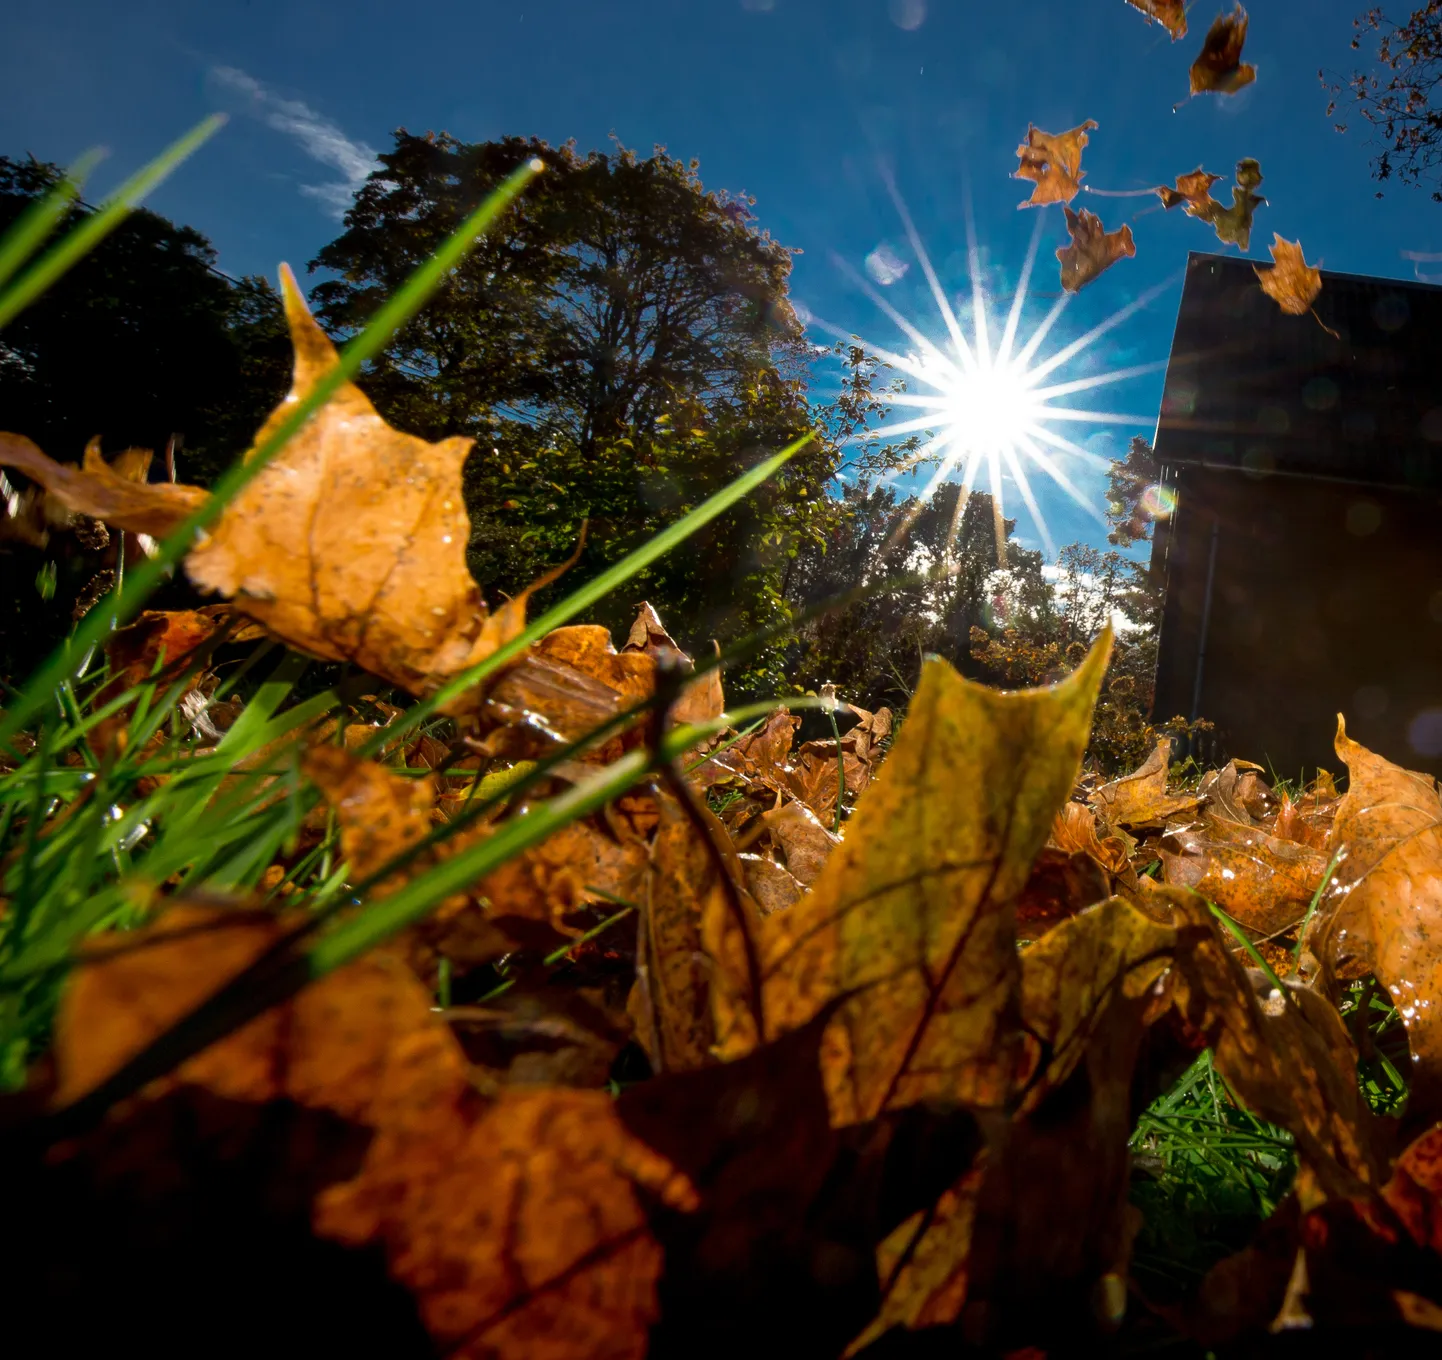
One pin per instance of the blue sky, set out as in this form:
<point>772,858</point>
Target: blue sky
<point>806,104</point>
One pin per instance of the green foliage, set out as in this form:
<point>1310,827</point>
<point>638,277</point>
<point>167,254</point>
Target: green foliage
<point>166,343</point>
<point>625,352</point>
<point>142,340</point>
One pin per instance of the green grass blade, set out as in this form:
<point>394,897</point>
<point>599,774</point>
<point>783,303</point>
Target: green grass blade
<point>122,605</point>
<point>95,228</point>
<point>38,220</point>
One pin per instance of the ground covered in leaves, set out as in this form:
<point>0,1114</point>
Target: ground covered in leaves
<point>909,1039</point>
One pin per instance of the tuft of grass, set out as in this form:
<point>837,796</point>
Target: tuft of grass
<point>1206,1175</point>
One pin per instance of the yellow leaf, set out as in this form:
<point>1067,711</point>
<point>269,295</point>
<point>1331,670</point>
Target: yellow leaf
<point>912,916</point>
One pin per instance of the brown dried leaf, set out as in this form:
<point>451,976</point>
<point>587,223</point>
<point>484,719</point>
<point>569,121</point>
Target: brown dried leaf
<point>1053,162</point>
<point>1263,882</point>
<point>1171,14</point>
<point>1075,831</point>
<point>327,1049</point>
<point>671,999</point>
<point>350,544</point>
<point>1291,282</point>
<point>773,886</point>
<point>804,841</point>
<point>519,1227</point>
<point>913,912</point>
<point>104,491</point>
<point>700,701</point>
<point>1043,1216</point>
<point>1062,883</point>
<point>1140,799</point>
<point>1219,68</point>
<point>1193,192</point>
<point>1093,249</point>
<point>1384,906</point>
<point>1288,1057</point>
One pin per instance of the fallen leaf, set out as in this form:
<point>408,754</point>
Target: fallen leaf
<point>771,885</point>
<point>1171,14</point>
<point>526,901</point>
<point>1092,249</point>
<point>791,1211</point>
<point>1062,883</point>
<point>1030,1230</point>
<point>671,999</point>
<point>914,910</point>
<point>804,842</point>
<point>1141,799</point>
<point>700,701</point>
<point>1262,882</point>
<point>1219,68</point>
<point>1237,793</point>
<point>350,544</point>
<point>1288,1057</point>
<point>1075,831</point>
<point>105,492</point>
<point>518,1226</point>
<point>1053,162</point>
<point>541,1036</point>
<point>1383,907</point>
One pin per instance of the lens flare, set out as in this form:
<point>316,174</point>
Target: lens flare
<point>993,408</point>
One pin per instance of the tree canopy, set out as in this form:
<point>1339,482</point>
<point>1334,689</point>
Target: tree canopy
<point>142,340</point>
<point>623,349</point>
<point>1402,99</point>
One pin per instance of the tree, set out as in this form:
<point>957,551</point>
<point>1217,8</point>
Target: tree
<point>1404,101</point>
<point>620,349</point>
<point>142,340</point>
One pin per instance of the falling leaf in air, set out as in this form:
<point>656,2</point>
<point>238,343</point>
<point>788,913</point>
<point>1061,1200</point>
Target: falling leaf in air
<point>1053,163</point>
<point>1193,193</point>
<point>1233,225</point>
<point>1219,68</point>
<point>1383,909</point>
<point>1093,249</point>
<point>1141,799</point>
<point>1171,14</point>
<point>915,908</point>
<point>1291,282</point>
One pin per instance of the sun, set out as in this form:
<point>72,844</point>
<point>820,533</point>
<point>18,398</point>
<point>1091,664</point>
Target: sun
<point>992,409</point>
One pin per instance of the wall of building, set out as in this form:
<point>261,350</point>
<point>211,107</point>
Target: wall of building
<point>1325,598</point>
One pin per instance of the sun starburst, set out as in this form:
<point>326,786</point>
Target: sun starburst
<point>987,409</point>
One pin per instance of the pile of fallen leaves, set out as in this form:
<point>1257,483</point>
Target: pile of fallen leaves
<point>718,1066</point>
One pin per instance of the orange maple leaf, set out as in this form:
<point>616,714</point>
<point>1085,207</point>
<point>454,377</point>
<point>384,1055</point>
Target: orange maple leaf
<point>1291,282</point>
<point>1053,163</point>
<point>1170,14</point>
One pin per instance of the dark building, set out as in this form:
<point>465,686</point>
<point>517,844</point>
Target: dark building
<point>1303,562</point>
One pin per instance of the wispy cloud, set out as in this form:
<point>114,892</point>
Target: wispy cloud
<point>1421,257</point>
<point>315,134</point>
